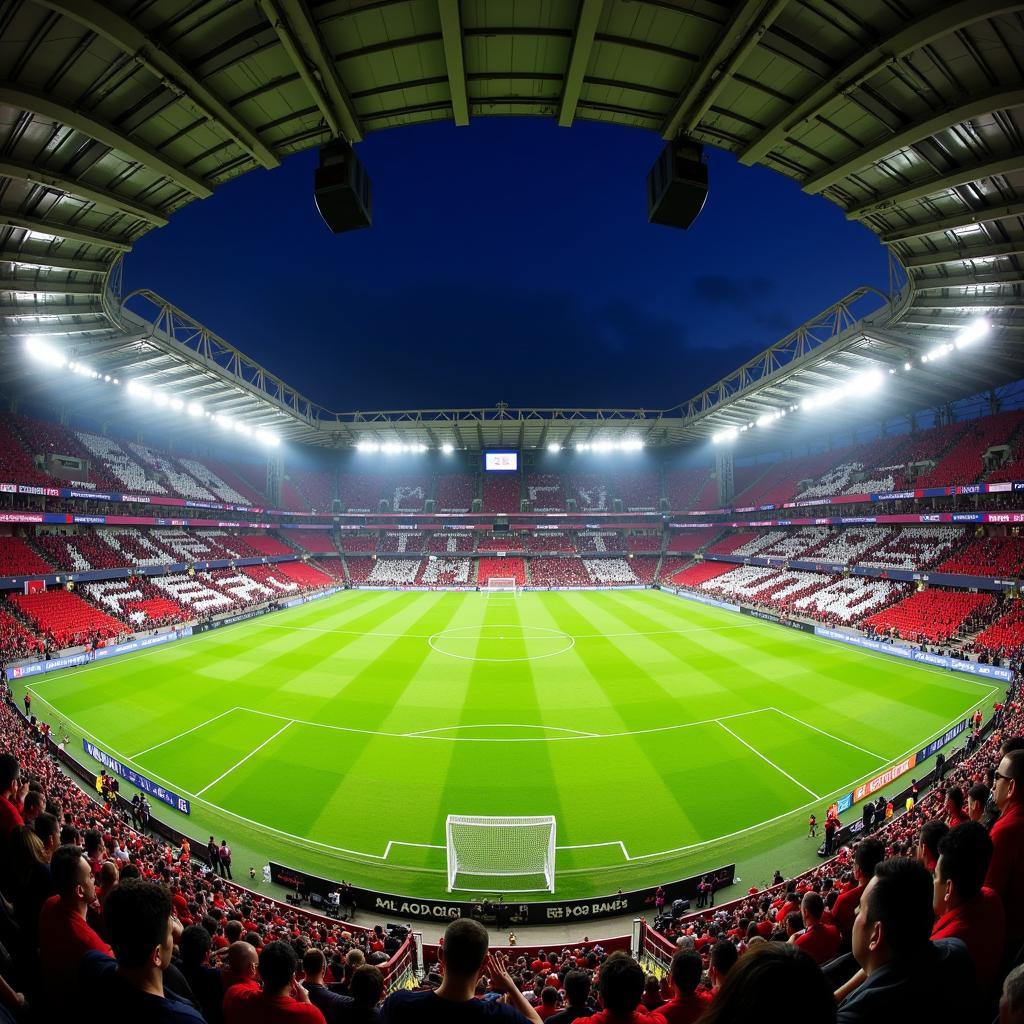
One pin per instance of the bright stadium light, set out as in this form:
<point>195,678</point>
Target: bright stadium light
<point>265,437</point>
<point>137,390</point>
<point>40,351</point>
<point>195,409</point>
<point>554,447</point>
<point>974,331</point>
<point>447,448</point>
<point>725,435</point>
<point>160,400</point>
<point>367,446</point>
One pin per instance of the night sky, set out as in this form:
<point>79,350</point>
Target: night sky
<point>508,261</point>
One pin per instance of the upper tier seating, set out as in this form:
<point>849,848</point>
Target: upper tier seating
<point>45,438</point>
<point>988,556</point>
<point>782,480</point>
<point>847,600</point>
<point>267,544</point>
<point>16,466</point>
<point>963,463</point>
<point>163,468</point>
<point>728,545</point>
<point>685,486</point>
<point>402,542</point>
<point>272,578</point>
<point>66,617</point>
<point>446,572</point>
<point>455,492</point>
<point>590,491</point>
<point>242,587</point>
<point>360,492</point>
<point>318,542</point>
<point>135,546</point>
<point>304,573</point>
<point>330,564</point>
<point>544,491</point>
<point>557,572</point>
<point>638,491</point>
<point>407,493</point>
<point>450,543</point>
<point>315,487</point>
<point>503,568</point>
<point>216,485</point>
<point>609,571</point>
<point>120,465</point>
<point>772,586</point>
<point>359,569</point>
<point>193,593</point>
<point>501,492</point>
<point>934,614</point>
<point>786,544</point>
<point>247,478</point>
<point>600,540</point>
<point>18,559</point>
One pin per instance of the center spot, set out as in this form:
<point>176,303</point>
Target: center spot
<point>501,642</point>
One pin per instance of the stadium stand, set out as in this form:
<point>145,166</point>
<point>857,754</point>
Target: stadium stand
<point>78,552</point>
<point>782,480</point>
<point>358,569</point>
<point>247,479</point>
<point>455,492</point>
<point>267,544</point>
<point>915,547</point>
<point>934,615</point>
<point>446,572</point>
<point>501,492</point>
<point>695,575</point>
<point>643,543</point>
<point>393,572</point>
<point>544,492</point>
<point>161,467</point>
<point>512,541</point>
<point>645,568</point>
<point>360,492</point>
<point>692,539</point>
<point>358,542</point>
<point>401,542</point>
<point>503,568</point>
<point>332,565</point>
<point>638,492</point>
<point>47,439</point>
<point>684,488</point>
<point>590,541</point>
<point>16,466</point>
<point>557,572</point>
<point>119,464</point>
<point>304,574</point>
<point>16,642</point>
<point>218,487</point>
<point>18,559</point>
<point>964,462</point>
<point>549,541</point>
<point>609,572</point>
<point>317,542</point>
<point>843,602</point>
<point>407,493</point>
<point>988,556</point>
<point>315,488</point>
<point>1005,637</point>
<point>590,491</point>
<point>450,543</point>
<point>65,618</point>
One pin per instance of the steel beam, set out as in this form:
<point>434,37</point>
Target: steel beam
<point>23,312</point>
<point>974,252</point>
<point>913,133</point>
<point>9,286</point>
<point>740,35</point>
<point>455,63</point>
<point>587,18</point>
<point>959,220</point>
<point>41,105</point>
<point>69,186</point>
<point>931,186</point>
<point>297,32</point>
<point>920,33</point>
<point>66,231</point>
<point>934,284</point>
<point>106,23</point>
<point>53,262</point>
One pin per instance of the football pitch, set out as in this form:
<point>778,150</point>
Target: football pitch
<point>665,737</point>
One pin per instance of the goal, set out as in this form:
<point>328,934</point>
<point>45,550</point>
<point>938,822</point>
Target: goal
<point>482,848</point>
<point>502,585</point>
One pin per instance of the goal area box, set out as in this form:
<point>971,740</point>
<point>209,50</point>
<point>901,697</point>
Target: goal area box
<point>502,585</point>
<point>500,854</point>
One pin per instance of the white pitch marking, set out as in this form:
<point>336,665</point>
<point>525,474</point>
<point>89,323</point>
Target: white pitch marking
<point>186,732</point>
<point>830,735</point>
<point>500,725</point>
<point>244,759</point>
<point>781,771</point>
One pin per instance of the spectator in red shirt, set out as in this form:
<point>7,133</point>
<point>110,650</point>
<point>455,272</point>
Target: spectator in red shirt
<point>723,958</point>
<point>12,794</point>
<point>866,857</point>
<point>773,983</point>
<point>621,985</point>
<point>241,968</point>
<point>928,842</point>
<point>577,995</point>
<point>64,935</point>
<point>1006,871</point>
<point>956,814</point>
<point>548,1002</point>
<point>977,799</point>
<point>821,941</point>
<point>686,1004</point>
<point>964,909</point>
<point>281,1000</point>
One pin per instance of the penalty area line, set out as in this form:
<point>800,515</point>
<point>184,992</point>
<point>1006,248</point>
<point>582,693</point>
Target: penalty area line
<point>768,761</point>
<point>179,735</point>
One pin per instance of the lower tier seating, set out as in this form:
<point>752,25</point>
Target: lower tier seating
<point>935,615</point>
<point>66,618</point>
<point>503,568</point>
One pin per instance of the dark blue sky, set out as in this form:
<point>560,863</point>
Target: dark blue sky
<point>508,261</point>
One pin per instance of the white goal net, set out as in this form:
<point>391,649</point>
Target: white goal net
<point>484,848</point>
<point>502,585</point>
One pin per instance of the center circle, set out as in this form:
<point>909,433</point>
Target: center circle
<point>502,642</point>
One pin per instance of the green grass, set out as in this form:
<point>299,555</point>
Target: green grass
<point>665,737</point>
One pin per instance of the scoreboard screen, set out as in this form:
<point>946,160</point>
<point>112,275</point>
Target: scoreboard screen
<point>501,462</point>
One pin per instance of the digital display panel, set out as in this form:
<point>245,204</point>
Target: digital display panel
<point>501,462</point>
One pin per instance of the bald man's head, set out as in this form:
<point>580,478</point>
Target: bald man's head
<point>243,958</point>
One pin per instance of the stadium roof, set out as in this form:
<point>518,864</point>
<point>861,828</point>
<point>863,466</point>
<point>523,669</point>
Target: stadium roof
<point>116,114</point>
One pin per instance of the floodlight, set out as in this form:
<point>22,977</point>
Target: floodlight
<point>447,448</point>
<point>195,409</point>
<point>137,390</point>
<point>554,447</point>
<point>42,352</point>
<point>974,331</point>
<point>159,399</point>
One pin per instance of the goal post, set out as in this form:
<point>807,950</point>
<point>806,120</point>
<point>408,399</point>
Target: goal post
<point>481,848</point>
<point>502,585</point>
